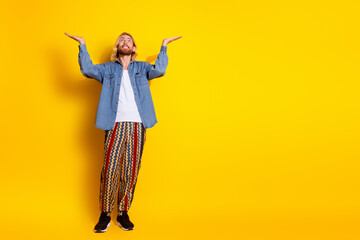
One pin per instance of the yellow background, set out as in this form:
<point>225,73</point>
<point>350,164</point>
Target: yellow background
<point>258,119</point>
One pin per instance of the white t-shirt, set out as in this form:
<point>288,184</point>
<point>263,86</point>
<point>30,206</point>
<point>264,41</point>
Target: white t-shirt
<point>127,108</point>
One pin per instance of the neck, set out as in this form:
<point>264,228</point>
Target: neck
<point>125,61</point>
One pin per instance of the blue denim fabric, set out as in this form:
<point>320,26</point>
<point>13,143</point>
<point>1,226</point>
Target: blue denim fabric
<point>110,74</point>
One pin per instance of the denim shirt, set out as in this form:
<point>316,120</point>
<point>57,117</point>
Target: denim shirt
<point>110,74</point>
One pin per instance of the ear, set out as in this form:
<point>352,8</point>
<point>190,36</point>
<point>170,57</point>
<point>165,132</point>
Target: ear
<point>134,48</point>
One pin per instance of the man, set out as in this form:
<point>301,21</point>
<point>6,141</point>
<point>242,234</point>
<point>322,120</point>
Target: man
<point>125,111</point>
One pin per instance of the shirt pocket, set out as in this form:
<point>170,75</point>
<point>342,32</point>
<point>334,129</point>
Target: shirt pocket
<point>109,80</point>
<point>141,79</point>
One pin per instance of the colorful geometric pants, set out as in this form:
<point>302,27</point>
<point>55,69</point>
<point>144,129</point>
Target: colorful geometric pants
<point>123,150</point>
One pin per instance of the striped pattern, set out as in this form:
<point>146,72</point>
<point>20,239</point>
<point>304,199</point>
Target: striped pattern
<point>123,150</point>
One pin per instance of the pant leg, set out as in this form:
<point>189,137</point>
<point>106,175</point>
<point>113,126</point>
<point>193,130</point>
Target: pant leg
<point>130,165</point>
<point>115,141</point>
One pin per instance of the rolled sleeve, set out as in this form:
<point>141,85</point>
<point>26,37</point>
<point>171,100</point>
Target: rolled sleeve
<point>87,68</point>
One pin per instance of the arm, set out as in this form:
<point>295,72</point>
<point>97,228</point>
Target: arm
<point>158,70</point>
<point>87,68</point>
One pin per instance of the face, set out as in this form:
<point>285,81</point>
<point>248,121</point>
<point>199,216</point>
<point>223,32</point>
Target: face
<point>126,45</point>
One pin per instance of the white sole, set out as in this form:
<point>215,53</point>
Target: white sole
<point>101,231</point>
<point>119,224</point>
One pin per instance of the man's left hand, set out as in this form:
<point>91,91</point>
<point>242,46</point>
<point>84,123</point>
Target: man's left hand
<point>166,41</point>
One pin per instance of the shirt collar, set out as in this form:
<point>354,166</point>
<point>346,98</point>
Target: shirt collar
<point>117,60</point>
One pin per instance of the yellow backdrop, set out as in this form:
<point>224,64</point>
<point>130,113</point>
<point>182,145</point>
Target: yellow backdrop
<point>258,119</point>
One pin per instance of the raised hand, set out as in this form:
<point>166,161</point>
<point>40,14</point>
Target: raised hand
<point>81,40</point>
<point>166,41</point>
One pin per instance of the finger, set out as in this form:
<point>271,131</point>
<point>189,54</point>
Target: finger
<point>72,36</point>
<point>171,40</point>
<point>174,38</point>
<point>69,35</point>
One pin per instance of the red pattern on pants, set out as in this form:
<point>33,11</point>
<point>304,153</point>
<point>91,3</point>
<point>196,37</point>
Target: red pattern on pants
<point>123,150</point>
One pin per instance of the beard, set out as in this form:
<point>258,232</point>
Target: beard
<point>124,51</point>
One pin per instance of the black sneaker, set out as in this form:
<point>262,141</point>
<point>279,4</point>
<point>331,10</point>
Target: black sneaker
<point>123,221</point>
<point>103,224</point>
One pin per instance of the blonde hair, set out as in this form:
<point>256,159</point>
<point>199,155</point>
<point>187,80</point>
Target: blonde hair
<point>115,54</point>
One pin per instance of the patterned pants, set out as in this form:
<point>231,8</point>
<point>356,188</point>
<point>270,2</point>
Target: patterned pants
<point>123,150</point>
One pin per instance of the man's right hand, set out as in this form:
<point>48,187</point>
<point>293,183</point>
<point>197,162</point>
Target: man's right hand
<point>81,40</point>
